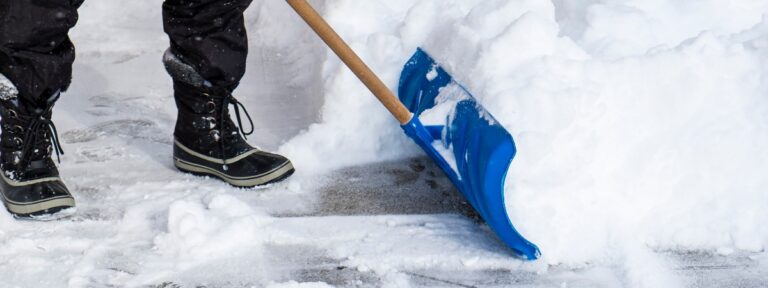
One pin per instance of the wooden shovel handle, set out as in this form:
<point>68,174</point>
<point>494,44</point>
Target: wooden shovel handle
<point>329,36</point>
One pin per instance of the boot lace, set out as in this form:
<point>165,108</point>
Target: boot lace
<point>227,99</point>
<point>34,139</point>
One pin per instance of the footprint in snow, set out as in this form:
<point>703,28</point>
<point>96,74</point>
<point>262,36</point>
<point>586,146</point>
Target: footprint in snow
<point>126,128</point>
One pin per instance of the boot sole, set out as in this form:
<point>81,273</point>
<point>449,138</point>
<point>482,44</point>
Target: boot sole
<point>276,175</point>
<point>44,208</point>
<point>53,214</point>
<point>40,209</point>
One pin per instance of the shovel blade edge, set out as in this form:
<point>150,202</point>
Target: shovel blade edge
<point>474,150</point>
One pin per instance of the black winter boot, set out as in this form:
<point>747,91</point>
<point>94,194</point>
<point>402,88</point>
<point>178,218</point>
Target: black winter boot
<point>29,180</point>
<point>207,141</point>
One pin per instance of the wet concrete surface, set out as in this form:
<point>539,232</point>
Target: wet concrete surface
<point>309,264</point>
<point>411,186</point>
<point>707,269</point>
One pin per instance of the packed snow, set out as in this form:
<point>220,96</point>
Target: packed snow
<point>640,127</point>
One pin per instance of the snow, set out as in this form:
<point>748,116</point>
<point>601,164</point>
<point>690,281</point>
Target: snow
<point>641,128</point>
<point>432,74</point>
<point>442,114</point>
<point>7,89</point>
<point>445,105</point>
<point>632,130</point>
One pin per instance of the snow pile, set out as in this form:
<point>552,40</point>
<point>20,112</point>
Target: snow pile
<point>217,229</point>
<point>638,123</point>
<point>217,234</point>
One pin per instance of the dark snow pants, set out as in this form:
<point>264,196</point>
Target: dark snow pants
<point>36,53</point>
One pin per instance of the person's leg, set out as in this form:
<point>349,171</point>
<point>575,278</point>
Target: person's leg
<point>206,61</point>
<point>36,58</point>
<point>35,51</point>
<point>210,36</point>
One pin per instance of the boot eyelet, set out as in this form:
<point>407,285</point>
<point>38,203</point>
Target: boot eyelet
<point>211,106</point>
<point>215,135</point>
<point>16,129</point>
<point>212,123</point>
<point>18,142</point>
<point>12,114</point>
<point>16,157</point>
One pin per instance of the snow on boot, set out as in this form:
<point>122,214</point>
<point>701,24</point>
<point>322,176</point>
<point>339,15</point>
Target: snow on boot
<point>29,181</point>
<point>207,141</point>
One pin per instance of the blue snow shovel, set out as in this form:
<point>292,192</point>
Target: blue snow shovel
<point>468,144</point>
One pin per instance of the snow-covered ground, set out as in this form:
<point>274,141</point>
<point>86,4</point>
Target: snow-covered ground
<point>640,124</point>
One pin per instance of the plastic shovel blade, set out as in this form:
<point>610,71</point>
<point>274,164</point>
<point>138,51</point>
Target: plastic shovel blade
<point>468,144</point>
